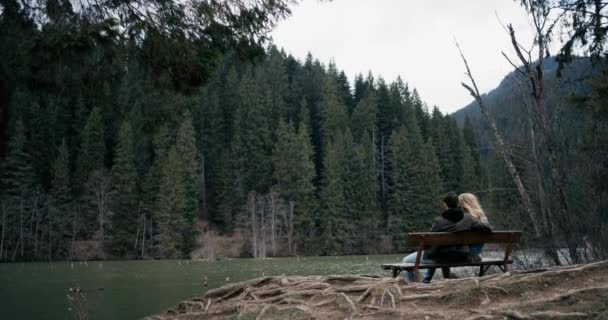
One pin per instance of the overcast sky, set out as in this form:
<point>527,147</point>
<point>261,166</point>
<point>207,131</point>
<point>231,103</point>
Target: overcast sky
<point>413,39</point>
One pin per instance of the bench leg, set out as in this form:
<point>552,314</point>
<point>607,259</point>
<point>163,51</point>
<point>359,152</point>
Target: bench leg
<point>396,272</point>
<point>446,273</point>
<point>483,269</point>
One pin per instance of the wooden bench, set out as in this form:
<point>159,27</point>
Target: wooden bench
<point>422,240</point>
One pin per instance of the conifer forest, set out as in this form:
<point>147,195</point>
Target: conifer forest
<point>130,130</point>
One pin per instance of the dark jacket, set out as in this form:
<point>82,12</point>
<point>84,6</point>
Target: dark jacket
<point>454,220</point>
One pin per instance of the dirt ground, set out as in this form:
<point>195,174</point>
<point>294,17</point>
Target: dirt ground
<point>572,292</point>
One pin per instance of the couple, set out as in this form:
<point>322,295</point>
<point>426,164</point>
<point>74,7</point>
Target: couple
<point>462,213</point>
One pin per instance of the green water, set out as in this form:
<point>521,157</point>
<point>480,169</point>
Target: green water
<point>134,289</point>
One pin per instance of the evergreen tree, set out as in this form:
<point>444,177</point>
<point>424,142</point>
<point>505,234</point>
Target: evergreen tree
<point>337,211</point>
<point>364,117</point>
<point>92,147</point>
<point>172,204</point>
<point>17,172</point>
<point>229,103</point>
<point>60,201</point>
<point>364,202</point>
<point>252,145</point>
<point>293,171</point>
<point>428,189</point>
<point>359,89</point>
<point>275,76</point>
<point>385,114</point>
<point>399,203</point>
<point>125,204</point>
<point>469,181</point>
<point>334,116</point>
<point>188,169</point>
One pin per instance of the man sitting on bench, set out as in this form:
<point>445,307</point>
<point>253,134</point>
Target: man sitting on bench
<point>453,219</point>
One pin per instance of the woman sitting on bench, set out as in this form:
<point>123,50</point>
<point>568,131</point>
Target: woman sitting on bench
<point>453,219</point>
<point>470,204</point>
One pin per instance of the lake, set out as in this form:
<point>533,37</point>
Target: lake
<point>134,289</point>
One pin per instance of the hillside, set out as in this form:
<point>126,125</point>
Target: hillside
<point>573,292</point>
<point>502,100</point>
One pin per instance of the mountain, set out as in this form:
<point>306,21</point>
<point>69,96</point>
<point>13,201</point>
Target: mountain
<point>506,98</point>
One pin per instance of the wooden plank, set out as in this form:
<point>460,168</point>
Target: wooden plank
<point>462,238</point>
<point>411,266</point>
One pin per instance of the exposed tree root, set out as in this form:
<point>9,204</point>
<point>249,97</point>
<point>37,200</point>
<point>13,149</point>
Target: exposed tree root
<point>573,292</point>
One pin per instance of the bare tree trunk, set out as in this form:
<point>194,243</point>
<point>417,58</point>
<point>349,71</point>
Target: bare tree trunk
<point>382,178</point>
<point>50,239</point>
<point>544,209</point>
<point>203,187</point>
<point>143,236</point>
<point>34,213</point>
<point>100,185</point>
<point>262,227</point>
<point>292,250</point>
<point>139,216</point>
<point>100,207</point>
<point>536,79</point>
<point>21,223</point>
<point>3,228</point>
<point>254,238</point>
<point>35,237</point>
<point>74,224</point>
<point>273,223</point>
<point>504,151</point>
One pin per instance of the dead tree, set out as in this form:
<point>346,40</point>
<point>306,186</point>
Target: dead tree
<point>504,150</point>
<point>100,186</point>
<point>543,28</point>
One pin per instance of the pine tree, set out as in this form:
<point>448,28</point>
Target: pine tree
<point>385,114</point>
<point>428,189</point>
<point>338,218</point>
<point>162,142</point>
<point>275,76</point>
<point>293,171</point>
<point>399,203</point>
<point>61,194</point>
<point>333,202</point>
<point>252,145</point>
<point>172,204</point>
<point>364,117</point>
<point>17,172</point>
<point>229,99</point>
<point>188,167</point>
<point>472,162</point>
<point>469,181</point>
<point>422,113</point>
<point>365,204</point>
<point>360,89</point>
<point>334,116</point>
<point>92,147</point>
<point>124,177</point>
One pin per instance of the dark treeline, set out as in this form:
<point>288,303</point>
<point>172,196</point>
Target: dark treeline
<point>120,148</point>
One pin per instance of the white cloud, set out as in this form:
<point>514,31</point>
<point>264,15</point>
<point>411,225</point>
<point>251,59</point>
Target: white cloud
<point>414,39</point>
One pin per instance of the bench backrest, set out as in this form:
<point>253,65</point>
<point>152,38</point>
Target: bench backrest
<point>461,238</point>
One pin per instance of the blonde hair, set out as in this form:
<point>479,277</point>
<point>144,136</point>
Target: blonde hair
<point>470,204</point>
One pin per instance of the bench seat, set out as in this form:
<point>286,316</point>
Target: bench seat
<point>424,240</point>
<point>484,265</point>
